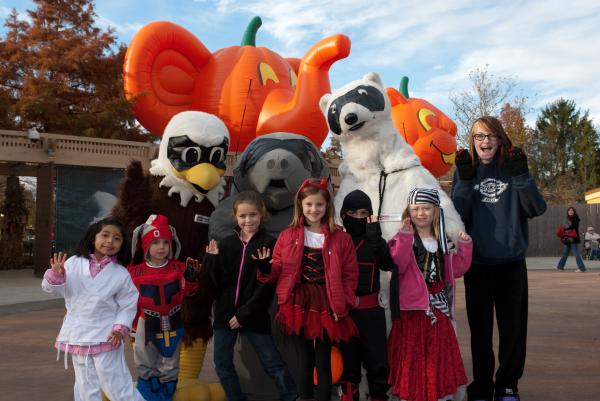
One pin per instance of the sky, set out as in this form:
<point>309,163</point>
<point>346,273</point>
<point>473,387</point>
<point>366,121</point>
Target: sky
<point>550,48</point>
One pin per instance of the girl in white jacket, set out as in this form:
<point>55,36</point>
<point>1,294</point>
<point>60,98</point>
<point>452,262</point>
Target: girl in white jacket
<point>101,303</point>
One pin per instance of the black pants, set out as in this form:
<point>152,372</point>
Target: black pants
<point>313,354</point>
<point>370,349</point>
<point>503,287</point>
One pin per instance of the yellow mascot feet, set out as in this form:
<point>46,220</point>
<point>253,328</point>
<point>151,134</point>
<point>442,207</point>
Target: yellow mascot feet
<point>189,388</point>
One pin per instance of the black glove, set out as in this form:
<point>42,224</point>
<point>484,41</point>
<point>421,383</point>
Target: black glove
<point>373,233</point>
<point>516,162</point>
<point>464,165</point>
<point>264,265</point>
<point>190,274</point>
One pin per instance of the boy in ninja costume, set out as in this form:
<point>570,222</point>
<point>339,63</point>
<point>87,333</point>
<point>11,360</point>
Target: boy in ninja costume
<point>163,282</point>
<point>370,347</point>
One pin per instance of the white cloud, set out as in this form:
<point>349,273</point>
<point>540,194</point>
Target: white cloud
<point>549,47</point>
<point>122,29</point>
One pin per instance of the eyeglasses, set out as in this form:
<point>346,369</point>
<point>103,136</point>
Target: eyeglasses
<point>479,137</point>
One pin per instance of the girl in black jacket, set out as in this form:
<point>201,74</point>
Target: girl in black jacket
<point>242,302</point>
<point>570,244</point>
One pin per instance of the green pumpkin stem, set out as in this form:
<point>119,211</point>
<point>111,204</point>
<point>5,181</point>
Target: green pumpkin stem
<point>404,87</point>
<point>249,38</point>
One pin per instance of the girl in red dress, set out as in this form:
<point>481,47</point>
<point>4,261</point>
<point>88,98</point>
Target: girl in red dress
<point>315,268</point>
<point>423,352</point>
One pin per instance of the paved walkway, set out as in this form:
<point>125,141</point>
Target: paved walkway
<point>563,360</point>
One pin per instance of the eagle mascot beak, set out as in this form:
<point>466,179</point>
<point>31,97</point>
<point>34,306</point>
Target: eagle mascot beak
<point>203,177</point>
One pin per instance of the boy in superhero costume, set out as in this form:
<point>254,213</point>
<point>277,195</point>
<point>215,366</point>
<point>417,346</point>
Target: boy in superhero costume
<point>163,282</point>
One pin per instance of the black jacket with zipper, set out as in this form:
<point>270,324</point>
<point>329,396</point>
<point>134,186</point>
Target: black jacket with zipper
<point>372,254</point>
<point>233,271</point>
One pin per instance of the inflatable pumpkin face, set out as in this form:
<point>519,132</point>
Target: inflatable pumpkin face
<point>429,131</point>
<point>252,89</point>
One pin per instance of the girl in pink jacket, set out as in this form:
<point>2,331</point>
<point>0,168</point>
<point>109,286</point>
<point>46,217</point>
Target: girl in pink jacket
<point>425,361</point>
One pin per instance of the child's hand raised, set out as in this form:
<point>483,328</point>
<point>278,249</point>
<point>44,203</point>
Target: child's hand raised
<point>372,219</point>
<point>261,254</point>
<point>212,247</point>
<point>463,236</point>
<point>57,263</point>
<point>407,225</point>
<point>195,263</point>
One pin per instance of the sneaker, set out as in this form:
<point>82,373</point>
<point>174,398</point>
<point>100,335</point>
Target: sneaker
<point>579,271</point>
<point>560,268</point>
<point>509,395</point>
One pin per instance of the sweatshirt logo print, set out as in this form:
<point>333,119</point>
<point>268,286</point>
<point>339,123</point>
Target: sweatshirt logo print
<point>491,189</point>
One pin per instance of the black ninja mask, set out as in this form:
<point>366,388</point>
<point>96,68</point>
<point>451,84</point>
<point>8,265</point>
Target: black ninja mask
<point>355,200</point>
<point>355,227</point>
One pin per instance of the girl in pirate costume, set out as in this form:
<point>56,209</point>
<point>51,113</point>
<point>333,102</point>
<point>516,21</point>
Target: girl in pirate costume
<point>425,361</point>
<point>316,273</point>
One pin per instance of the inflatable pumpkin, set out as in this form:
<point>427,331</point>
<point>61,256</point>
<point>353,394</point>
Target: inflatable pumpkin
<point>337,366</point>
<point>429,131</point>
<point>254,90</point>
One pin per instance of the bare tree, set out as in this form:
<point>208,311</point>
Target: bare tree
<point>486,96</point>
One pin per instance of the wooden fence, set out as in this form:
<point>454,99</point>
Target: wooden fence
<point>542,230</point>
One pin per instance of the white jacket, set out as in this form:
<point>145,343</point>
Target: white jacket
<point>94,305</point>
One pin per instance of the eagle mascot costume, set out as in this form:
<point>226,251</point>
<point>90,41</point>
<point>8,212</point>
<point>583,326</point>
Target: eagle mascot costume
<point>185,184</point>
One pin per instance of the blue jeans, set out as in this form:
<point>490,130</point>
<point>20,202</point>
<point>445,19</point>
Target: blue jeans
<point>270,358</point>
<point>567,248</point>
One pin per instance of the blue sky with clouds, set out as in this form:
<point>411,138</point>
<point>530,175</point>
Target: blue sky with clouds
<point>552,48</point>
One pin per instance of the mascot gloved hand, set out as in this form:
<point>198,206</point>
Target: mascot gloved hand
<point>186,184</point>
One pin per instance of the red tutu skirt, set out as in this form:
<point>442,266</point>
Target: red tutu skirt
<point>307,313</point>
<point>425,361</point>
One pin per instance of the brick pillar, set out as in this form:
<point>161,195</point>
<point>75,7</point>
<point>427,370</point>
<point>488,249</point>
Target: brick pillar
<point>44,218</point>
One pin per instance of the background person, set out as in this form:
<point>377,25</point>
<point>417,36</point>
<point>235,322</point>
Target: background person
<point>571,244</point>
<point>591,238</point>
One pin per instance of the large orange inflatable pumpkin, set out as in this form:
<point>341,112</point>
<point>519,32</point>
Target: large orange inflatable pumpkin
<point>254,90</point>
<point>429,131</point>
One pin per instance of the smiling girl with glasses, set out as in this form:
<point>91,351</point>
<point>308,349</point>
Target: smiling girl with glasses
<point>495,196</point>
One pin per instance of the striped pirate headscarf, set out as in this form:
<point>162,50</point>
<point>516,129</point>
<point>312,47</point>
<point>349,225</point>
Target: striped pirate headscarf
<point>430,195</point>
